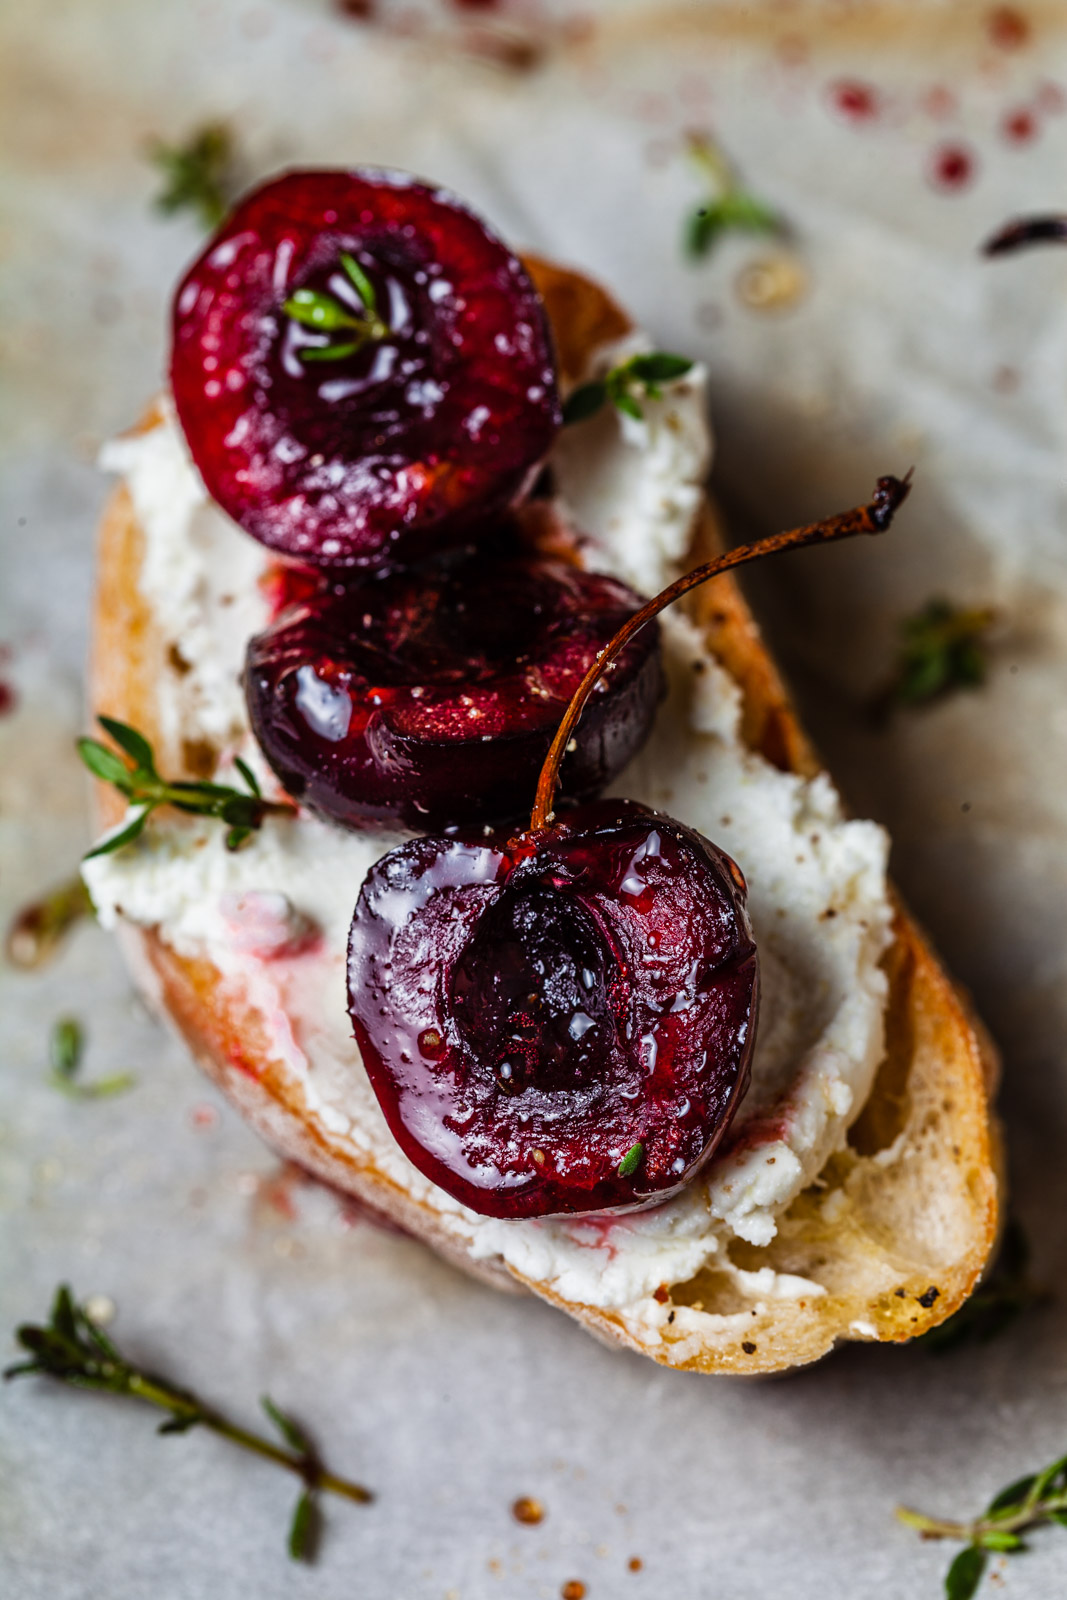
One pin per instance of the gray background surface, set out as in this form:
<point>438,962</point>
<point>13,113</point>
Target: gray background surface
<point>446,1398</point>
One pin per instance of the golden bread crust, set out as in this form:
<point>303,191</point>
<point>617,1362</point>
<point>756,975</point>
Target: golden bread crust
<point>909,1207</point>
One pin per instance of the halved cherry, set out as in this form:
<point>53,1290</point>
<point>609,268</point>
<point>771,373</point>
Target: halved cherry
<point>361,367</point>
<point>430,696</point>
<point>566,1019</point>
<point>563,1021</point>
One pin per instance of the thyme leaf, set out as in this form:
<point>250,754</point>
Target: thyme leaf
<point>72,1349</point>
<point>728,208</point>
<point>198,173</point>
<point>361,283</point>
<point>314,308</point>
<point>625,385</point>
<point>146,790</point>
<point>631,1160</point>
<point>66,1048</point>
<point>1032,1502</point>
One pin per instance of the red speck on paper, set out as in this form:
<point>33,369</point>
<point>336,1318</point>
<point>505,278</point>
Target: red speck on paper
<point>939,102</point>
<point>952,168</point>
<point>1008,28</point>
<point>1050,98</point>
<point>855,100</point>
<point>203,1116</point>
<point>1019,126</point>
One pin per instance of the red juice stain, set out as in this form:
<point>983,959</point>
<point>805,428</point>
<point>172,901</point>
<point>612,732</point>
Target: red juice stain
<point>282,585</point>
<point>855,100</point>
<point>952,168</point>
<point>358,10</point>
<point>475,5</point>
<point>1008,28</point>
<point>1050,98</point>
<point>1019,126</point>
<point>8,699</point>
<point>939,102</point>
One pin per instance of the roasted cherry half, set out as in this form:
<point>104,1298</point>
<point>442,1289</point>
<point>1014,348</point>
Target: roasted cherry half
<point>361,367</point>
<point>563,1021</point>
<point>430,696</point>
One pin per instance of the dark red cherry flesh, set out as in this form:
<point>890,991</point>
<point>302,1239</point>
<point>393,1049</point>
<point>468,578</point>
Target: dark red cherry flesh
<point>430,696</point>
<point>361,367</point>
<point>560,1023</point>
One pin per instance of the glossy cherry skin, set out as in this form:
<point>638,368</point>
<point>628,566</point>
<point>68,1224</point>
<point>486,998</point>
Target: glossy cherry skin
<point>387,454</point>
<point>430,696</point>
<point>530,1011</point>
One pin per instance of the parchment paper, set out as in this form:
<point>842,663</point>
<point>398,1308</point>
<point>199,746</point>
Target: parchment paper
<point>905,349</point>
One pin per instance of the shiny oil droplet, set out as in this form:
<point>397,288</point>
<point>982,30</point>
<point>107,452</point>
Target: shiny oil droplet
<point>773,283</point>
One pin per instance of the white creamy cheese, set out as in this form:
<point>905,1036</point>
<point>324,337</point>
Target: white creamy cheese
<point>817,898</point>
<point>202,582</point>
<point>635,486</point>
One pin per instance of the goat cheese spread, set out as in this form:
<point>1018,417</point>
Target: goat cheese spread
<point>273,916</point>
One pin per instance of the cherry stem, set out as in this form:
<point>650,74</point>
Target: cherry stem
<point>1024,231</point>
<point>875,517</point>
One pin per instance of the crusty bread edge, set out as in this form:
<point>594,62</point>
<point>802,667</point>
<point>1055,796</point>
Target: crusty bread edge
<point>947,1060</point>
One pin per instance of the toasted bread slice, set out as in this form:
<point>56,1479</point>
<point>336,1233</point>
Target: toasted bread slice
<point>900,1223</point>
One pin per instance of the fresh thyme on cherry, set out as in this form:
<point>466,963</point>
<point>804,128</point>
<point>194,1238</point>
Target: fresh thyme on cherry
<point>136,778</point>
<point>74,1349</point>
<point>562,1020</point>
<point>325,313</point>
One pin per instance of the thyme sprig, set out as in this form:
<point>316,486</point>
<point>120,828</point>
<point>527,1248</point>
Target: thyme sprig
<point>942,647</point>
<point>66,1047</point>
<point>198,174</point>
<point>1032,1502</point>
<point>324,313</point>
<point>641,377</point>
<point>73,1349</point>
<point>729,207</point>
<point>146,790</point>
